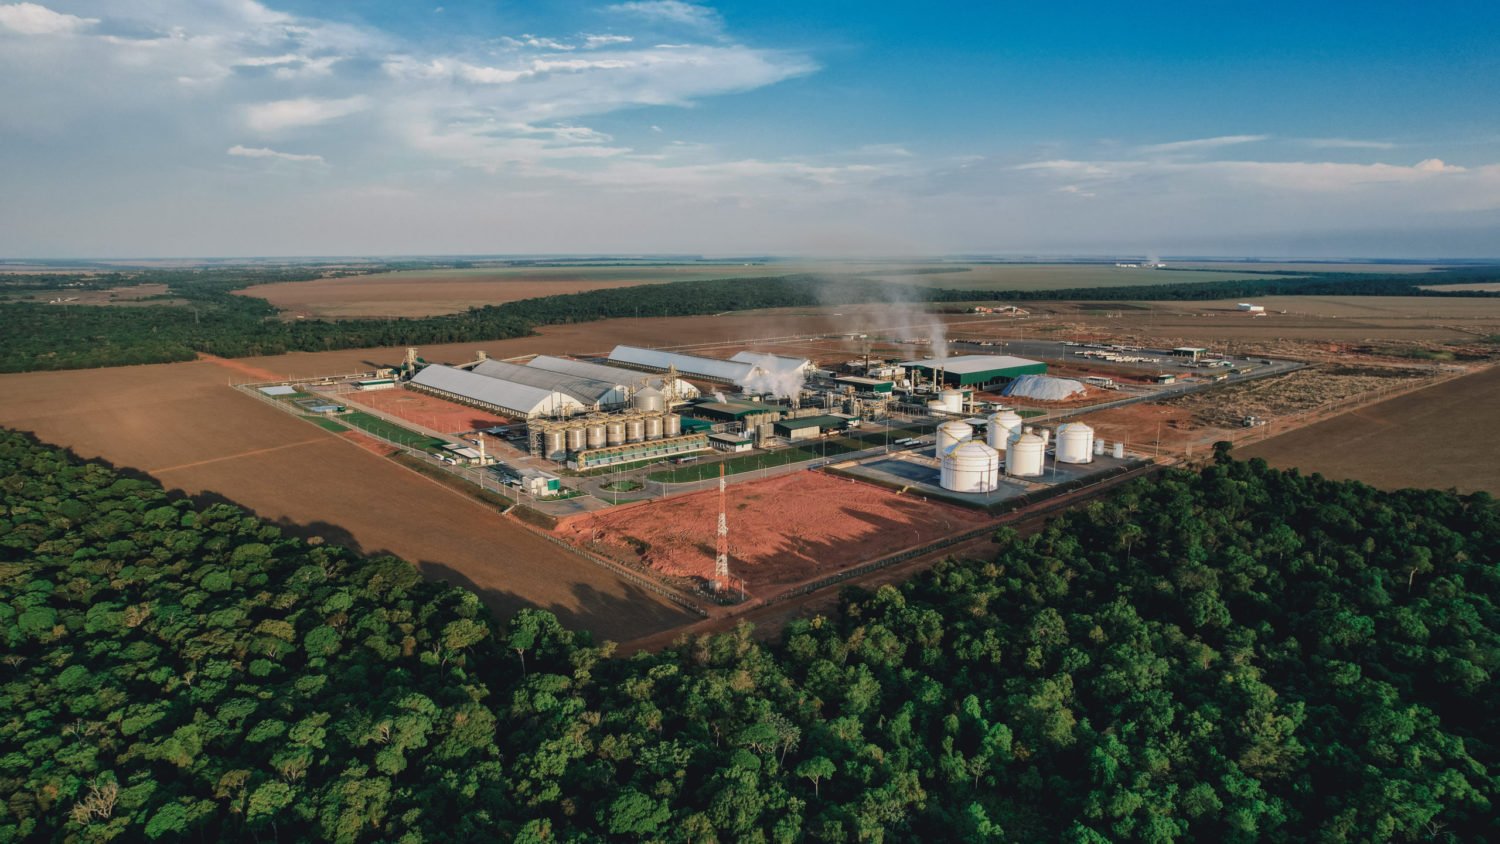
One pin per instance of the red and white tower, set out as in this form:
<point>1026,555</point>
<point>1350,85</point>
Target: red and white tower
<point>721,561</point>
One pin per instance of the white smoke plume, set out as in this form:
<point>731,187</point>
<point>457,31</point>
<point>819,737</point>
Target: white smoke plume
<point>773,375</point>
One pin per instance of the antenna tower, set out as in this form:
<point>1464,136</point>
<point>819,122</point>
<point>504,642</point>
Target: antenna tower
<point>721,562</point>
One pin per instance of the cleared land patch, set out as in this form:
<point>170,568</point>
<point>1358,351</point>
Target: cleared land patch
<point>782,530</point>
<point>1439,437</point>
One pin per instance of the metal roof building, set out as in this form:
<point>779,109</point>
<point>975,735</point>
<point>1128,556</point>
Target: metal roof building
<point>591,393</point>
<point>629,378</point>
<point>780,363</point>
<point>506,397</point>
<point>728,371</point>
<point>978,370</point>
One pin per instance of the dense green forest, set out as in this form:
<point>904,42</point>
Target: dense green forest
<point>1234,655</point>
<point>216,321</point>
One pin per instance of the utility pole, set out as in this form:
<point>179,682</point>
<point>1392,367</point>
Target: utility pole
<point>721,561</point>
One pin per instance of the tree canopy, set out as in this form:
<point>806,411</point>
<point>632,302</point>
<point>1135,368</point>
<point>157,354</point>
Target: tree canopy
<point>1236,654</point>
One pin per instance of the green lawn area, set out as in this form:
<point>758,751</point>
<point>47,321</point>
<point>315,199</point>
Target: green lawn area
<point>378,427</point>
<point>759,460</point>
<point>326,424</point>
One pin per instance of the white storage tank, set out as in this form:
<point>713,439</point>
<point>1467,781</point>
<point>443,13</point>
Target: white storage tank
<point>1098,447</point>
<point>596,435</point>
<point>1119,451</point>
<point>953,400</point>
<point>635,430</point>
<point>971,467</point>
<point>1075,443</point>
<point>1024,458</point>
<point>577,437</point>
<point>648,398</point>
<point>950,434</point>
<point>674,425</point>
<point>1001,426</point>
<point>615,432</point>
<point>1046,435</point>
<point>653,428</point>
<point>937,407</point>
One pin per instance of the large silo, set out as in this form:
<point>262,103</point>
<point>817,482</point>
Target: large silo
<point>674,425</point>
<point>615,432</point>
<point>653,427</point>
<point>1075,443</point>
<point>635,430</point>
<point>577,439</point>
<point>648,398</point>
<point>971,467</point>
<point>1001,426</point>
<point>1024,458</point>
<point>596,435</point>
<point>554,445</point>
<point>953,400</point>
<point>950,434</point>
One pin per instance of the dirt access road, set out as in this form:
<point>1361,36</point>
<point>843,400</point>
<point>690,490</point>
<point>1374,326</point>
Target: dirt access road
<point>183,425</point>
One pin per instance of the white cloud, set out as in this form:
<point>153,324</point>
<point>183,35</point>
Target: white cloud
<point>672,11</point>
<point>1436,165</point>
<point>536,42</point>
<point>1346,143</point>
<point>265,152</point>
<point>1201,144</point>
<point>592,41</point>
<point>305,111</point>
<point>35,19</point>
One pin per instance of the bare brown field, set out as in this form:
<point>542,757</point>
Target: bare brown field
<point>126,296</point>
<point>427,411</point>
<point>782,530</point>
<point>1478,286</point>
<point>181,423</point>
<point>435,292</point>
<point>1438,437</point>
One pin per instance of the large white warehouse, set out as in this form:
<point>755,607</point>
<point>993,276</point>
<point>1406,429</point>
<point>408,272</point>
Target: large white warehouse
<point>728,371</point>
<point>630,379</point>
<point>591,393</point>
<point>779,363</point>
<point>505,397</point>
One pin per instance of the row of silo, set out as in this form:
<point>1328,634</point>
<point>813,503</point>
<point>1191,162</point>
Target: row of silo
<point>969,465</point>
<point>965,464</point>
<point>595,433</point>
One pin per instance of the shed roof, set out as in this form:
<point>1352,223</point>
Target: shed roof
<point>734,372</point>
<point>781,363</point>
<point>507,395</point>
<point>604,372</point>
<point>824,421</point>
<point>968,364</point>
<point>587,391</point>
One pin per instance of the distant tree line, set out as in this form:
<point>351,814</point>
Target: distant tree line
<point>216,321</point>
<point>1234,655</point>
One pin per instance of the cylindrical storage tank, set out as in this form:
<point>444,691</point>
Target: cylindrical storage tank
<point>647,398</point>
<point>554,444</point>
<point>1024,457</point>
<point>937,407</point>
<point>1001,426</point>
<point>950,434</point>
<point>614,432</point>
<point>653,428</point>
<point>1046,435</point>
<point>577,438</point>
<point>1119,451</point>
<point>1098,447</point>
<point>596,437</point>
<point>953,400</point>
<point>971,467</point>
<point>1075,443</point>
<point>635,430</point>
<point>674,425</point>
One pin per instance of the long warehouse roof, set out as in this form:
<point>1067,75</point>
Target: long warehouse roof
<point>601,372</point>
<point>506,395</point>
<point>781,363</point>
<point>965,364</point>
<point>589,391</point>
<point>723,370</point>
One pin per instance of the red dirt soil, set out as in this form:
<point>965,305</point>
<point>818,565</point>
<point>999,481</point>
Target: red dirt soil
<point>427,411</point>
<point>368,442</point>
<point>781,530</point>
<point>241,367</point>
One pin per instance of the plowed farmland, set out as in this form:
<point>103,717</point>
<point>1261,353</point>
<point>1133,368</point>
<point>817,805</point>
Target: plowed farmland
<point>782,530</point>
<point>427,411</point>
<point>182,424</point>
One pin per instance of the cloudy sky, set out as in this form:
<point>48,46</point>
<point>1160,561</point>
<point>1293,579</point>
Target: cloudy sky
<point>337,127</point>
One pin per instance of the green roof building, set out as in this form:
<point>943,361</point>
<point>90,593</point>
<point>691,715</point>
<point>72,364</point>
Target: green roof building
<point>976,370</point>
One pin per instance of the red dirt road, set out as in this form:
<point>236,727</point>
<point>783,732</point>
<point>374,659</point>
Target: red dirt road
<point>205,438</point>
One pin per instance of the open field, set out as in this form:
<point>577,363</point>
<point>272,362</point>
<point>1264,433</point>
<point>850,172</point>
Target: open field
<point>433,292</point>
<point>1056,276</point>
<point>1439,437</point>
<point>128,295</point>
<point>1478,286</point>
<point>781,530</point>
<point>182,424</point>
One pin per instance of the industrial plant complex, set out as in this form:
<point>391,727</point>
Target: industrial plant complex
<point>565,436</point>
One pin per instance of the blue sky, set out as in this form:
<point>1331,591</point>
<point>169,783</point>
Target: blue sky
<point>235,127</point>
